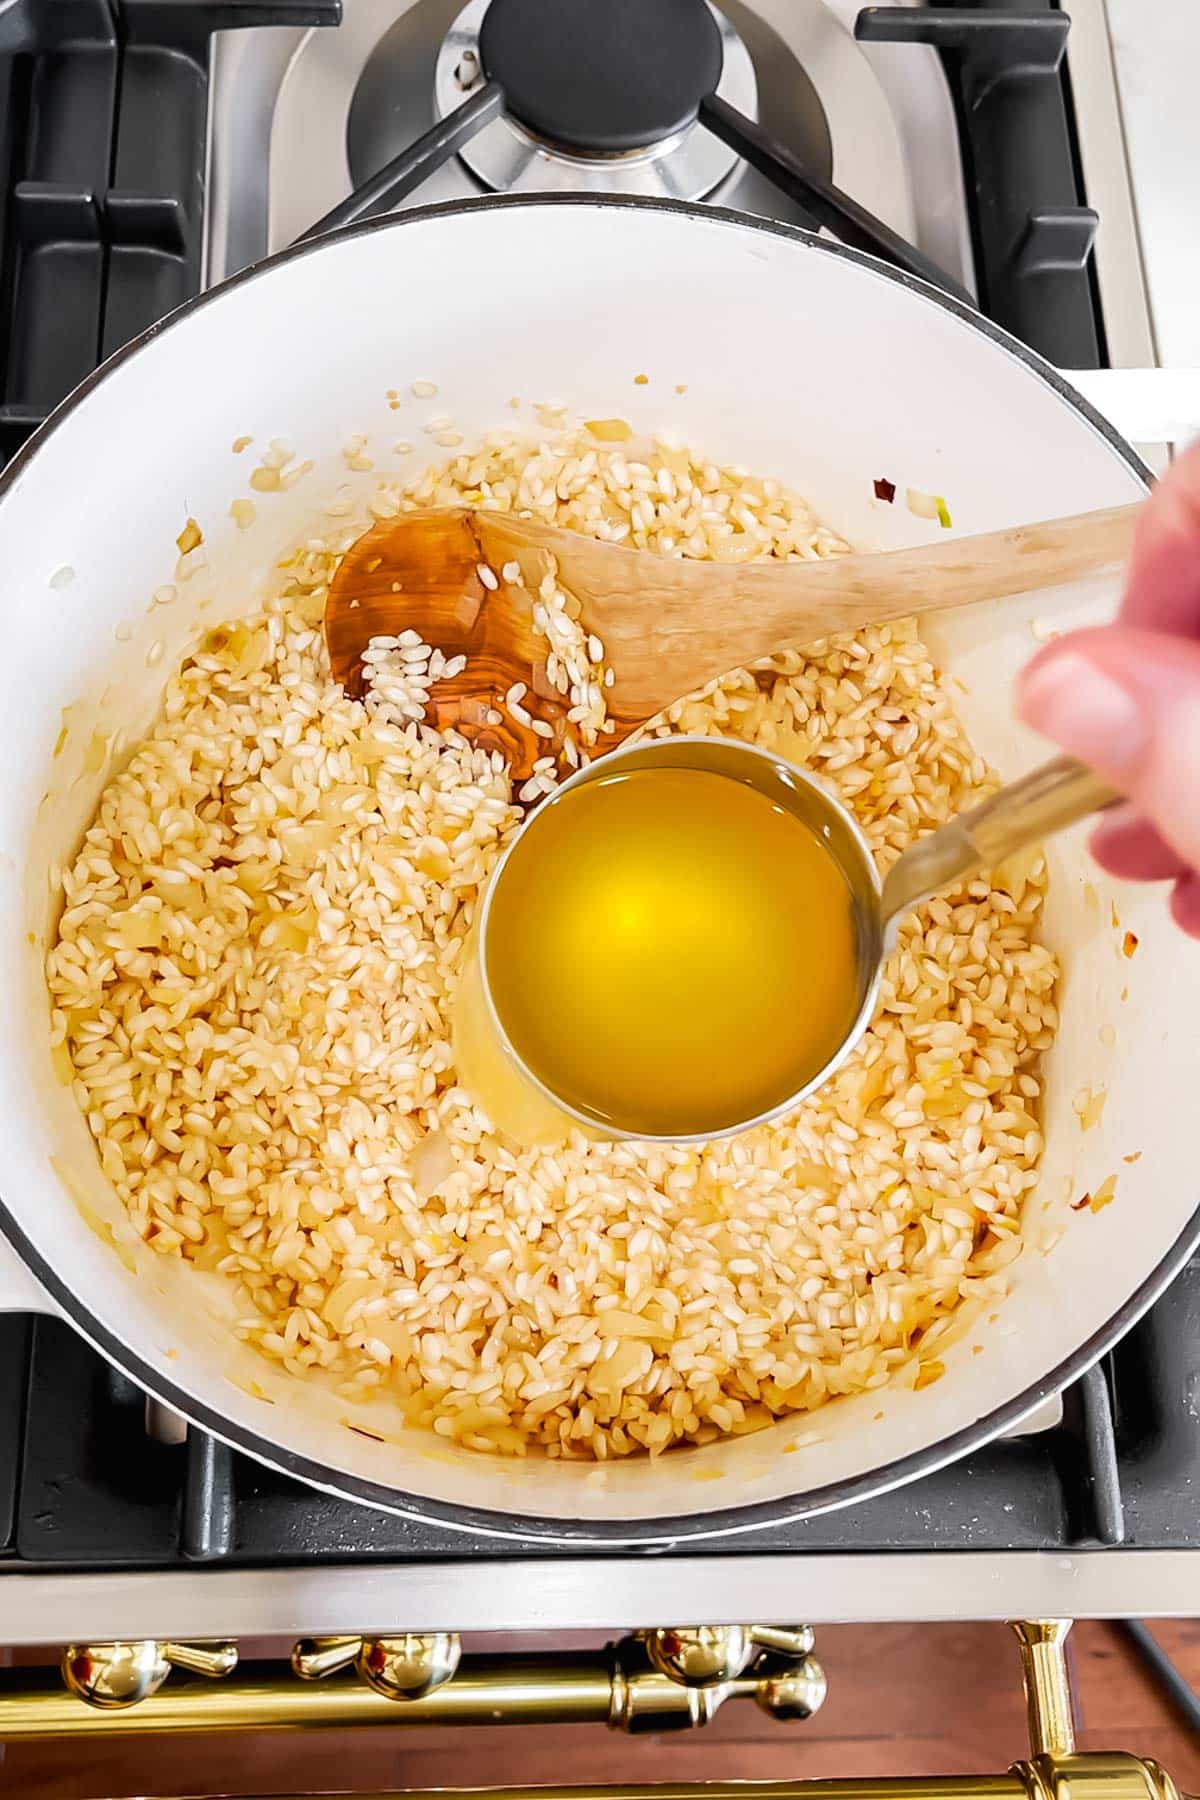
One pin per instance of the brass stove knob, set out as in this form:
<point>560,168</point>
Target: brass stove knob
<point>112,1676</point>
<point>313,1658</point>
<point>795,1693</point>
<point>700,1656</point>
<point>400,1668</point>
<point>409,1667</point>
<point>707,1655</point>
<point>794,1642</point>
<point>212,1660</point>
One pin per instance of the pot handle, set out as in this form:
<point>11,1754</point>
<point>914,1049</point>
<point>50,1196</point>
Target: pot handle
<point>21,1292</point>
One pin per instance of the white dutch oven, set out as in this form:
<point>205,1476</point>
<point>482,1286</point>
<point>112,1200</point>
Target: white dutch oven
<point>799,360</point>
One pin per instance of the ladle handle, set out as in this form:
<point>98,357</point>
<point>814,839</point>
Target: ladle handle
<point>1048,799</point>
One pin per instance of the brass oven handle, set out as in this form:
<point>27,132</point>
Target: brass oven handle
<point>628,1688</point>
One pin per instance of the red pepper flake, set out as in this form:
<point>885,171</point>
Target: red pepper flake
<point>1078,1205</point>
<point>885,489</point>
<point>1129,943</point>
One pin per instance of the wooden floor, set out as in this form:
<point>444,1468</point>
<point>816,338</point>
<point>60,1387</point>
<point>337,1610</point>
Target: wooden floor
<point>929,1699</point>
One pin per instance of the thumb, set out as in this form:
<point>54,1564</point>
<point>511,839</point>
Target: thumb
<point>1127,703</point>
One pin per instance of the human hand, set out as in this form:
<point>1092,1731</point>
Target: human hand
<point>1125,699</point>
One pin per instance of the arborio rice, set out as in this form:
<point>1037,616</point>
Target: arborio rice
<point>252,991</point>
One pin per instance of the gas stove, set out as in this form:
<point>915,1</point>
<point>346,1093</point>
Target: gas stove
<point>892,113</point>
<point>149,147</point>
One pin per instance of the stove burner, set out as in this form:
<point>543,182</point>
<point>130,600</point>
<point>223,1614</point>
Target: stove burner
<point>602,94</point>
<point>602,78</point>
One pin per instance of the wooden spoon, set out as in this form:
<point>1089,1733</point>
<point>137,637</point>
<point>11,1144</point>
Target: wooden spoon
<point>668,624</point>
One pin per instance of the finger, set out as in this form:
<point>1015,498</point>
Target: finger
<point>1130,848</point>
<point>1128,704</point>
<point>1162,585</point>
<point>1185,904</point>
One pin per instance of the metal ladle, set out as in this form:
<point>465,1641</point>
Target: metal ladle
<point>1052,797</point>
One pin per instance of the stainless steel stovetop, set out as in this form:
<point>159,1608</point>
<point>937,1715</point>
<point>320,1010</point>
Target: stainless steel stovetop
<point>296,118</point>
<point>299,117</point>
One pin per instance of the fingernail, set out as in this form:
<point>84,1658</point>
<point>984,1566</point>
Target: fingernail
<point>1084,710</point>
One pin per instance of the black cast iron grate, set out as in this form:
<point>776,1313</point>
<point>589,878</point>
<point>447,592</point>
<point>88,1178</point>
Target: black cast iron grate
<point>102,131</point>
<point>1031,231</point>
<point>103,116</point>
<point>94,1491</point>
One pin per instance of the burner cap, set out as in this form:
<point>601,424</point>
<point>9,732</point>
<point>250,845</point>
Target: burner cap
<point>602,76</point>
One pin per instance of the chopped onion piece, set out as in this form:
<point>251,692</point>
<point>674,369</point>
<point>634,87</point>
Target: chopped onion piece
<point>1104,1194</point>
<point>610,431</point>
<point>431,1162</point>
<point>929,506</point>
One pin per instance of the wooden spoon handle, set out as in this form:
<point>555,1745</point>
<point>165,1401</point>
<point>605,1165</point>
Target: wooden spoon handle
<point>843,593</point>
<point>671,624</point>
